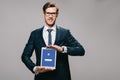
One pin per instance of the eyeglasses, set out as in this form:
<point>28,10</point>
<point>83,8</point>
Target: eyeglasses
<point>51,13</point>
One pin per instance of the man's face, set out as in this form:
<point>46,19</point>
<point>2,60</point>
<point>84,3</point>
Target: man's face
<point>50,16</point>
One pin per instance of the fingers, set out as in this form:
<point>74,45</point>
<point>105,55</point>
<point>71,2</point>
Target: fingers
<point>50,46</point>
<point>40,69</point>
<point>58,48</point>
<point>48,69</point>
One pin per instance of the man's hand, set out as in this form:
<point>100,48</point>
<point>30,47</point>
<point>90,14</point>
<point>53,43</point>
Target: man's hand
<point>39,69</point>
<point>58,48</point>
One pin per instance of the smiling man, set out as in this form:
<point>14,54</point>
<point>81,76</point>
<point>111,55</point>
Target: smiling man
<point>55,37</point>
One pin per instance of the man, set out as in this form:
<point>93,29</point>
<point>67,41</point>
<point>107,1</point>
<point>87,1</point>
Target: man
<point>62,41</point>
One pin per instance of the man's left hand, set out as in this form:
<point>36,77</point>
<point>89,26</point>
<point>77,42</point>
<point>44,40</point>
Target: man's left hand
<point>56,47</point>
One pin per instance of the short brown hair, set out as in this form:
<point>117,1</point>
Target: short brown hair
<point>48,5</point>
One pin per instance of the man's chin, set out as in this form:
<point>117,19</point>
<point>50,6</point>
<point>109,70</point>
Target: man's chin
<point>50,25</point>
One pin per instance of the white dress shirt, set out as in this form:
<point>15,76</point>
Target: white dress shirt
<point>45,34</point>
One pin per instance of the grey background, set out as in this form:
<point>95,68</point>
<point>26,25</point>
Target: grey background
<point>94,23</point>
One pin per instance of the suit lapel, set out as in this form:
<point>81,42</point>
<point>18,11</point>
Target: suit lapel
<point>57,35</point>
<point>41,37</point>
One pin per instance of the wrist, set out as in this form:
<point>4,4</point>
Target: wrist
<point>35,71</point>
<point>64,49</point>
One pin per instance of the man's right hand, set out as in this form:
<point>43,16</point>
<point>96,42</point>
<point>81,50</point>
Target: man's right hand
<point>39,69</point>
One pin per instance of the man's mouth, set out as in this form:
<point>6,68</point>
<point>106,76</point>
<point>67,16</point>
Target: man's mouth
<point>50,20</point>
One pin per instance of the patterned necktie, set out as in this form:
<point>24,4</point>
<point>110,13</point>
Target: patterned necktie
<point>49,36</point>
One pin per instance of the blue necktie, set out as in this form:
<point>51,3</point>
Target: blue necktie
<point>49,36</point>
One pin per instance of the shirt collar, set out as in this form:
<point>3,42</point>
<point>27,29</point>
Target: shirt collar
<point>53,27</point>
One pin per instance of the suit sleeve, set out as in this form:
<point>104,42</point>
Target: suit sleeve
<point>74,48</point>
<point>27,53</point>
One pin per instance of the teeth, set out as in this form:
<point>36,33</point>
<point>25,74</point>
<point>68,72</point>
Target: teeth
<point>50,20</point>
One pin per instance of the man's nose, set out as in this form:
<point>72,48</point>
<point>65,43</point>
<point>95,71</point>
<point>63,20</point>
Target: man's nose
<point>51,15</point>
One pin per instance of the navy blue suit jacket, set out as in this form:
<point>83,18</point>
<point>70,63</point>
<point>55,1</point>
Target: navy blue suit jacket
<point>63,38</point>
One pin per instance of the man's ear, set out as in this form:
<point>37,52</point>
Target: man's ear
<point>43,13</point>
